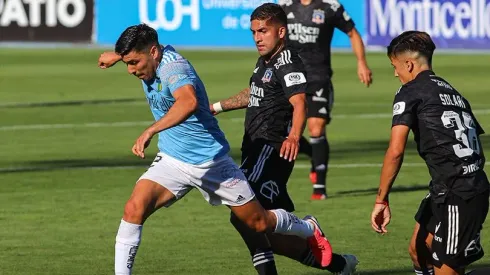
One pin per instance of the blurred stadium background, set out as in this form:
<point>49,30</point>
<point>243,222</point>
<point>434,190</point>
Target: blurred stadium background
<point>67,128</point>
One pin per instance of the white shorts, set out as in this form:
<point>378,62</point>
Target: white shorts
<point>219,181</point>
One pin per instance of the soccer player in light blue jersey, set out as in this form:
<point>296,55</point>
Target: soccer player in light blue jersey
<point>193,151</point>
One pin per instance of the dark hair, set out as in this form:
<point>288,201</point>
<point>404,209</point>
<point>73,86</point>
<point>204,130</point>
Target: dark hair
<point>137,38</point>
<point>412,41</point>
<point>270,11</point>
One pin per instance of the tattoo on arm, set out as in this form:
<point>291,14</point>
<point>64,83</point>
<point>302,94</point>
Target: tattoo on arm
<point>238,101</point>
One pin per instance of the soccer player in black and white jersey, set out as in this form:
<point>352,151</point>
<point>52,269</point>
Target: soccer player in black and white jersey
<point>311,25</point>
<point>446,238</point>
<point>274,122</point>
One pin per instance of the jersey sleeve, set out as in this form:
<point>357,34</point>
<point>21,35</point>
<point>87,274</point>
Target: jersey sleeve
<point>177,74</point>
<point>479,128</point>
<point>404,108</point>
<point>291,73</point>
<point>342,20</point>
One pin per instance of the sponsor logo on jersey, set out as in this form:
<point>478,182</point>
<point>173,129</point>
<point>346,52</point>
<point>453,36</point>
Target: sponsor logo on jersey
<point>318,16</point>
<point>294,78</point>
<point>256,95</point>
<point>318,96</point>
<point>398,108</point>
<point>267,75</point>
<point>285,2</point>
<point>290,15</point>
<point>303,34</point>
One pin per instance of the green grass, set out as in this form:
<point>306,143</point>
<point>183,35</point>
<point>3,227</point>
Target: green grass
<point>63,220</point>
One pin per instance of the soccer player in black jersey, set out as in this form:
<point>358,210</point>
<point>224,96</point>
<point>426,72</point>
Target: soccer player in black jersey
<point>275,118</point>
<point>446,238</point>
<point>311,24</point>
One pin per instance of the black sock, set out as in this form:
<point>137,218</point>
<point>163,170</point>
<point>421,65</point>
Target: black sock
<point>264,263</point>
<point>320,154</point>
<point>259,247</point>
<point>423,271</point>
<point>337,265</point>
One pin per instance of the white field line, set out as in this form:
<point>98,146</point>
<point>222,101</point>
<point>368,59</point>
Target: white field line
<point>145,123</point>
<point>102,167</point>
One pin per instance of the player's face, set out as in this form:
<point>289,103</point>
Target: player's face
<point>142,64</point>
<point>403,68</point>
<point>267,36</point>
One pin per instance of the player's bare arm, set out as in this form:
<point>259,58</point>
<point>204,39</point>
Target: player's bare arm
<point>290,146</point>
<point>185,105</point>
<point>392,163</point>
<point>108,59</point>
<point>238,101</point>
<point>363,71</point>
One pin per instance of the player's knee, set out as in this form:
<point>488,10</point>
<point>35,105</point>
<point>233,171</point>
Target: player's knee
<point>134,212</point>
<point>258,223</point>
<point>316,127</point>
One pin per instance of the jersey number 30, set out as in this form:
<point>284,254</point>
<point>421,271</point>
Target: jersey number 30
<point>465,133</point>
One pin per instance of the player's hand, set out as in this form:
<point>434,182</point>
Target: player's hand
<point>215,108</point>
<point>380,217</point>
<point>211,108</point>
<point>290,148</point>
<point>108,59</point>
<point>364,74</point>
<point>141,143</point>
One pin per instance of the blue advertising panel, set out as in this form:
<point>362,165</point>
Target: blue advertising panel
<point>453,24</point>
<point>195,23</point>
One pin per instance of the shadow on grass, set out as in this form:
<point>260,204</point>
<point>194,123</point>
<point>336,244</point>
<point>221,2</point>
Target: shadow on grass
<point>371,191</point>
<point>398,271</point>
<point>348,150</point>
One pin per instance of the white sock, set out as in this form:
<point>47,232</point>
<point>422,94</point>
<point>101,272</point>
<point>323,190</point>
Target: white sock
<point>425,271</point>
<point>127,241</point>
<point>289,224</point>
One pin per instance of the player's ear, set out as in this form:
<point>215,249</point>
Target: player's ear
<point>154,51</point>
<point>409,65</point>
<point>282,32</point>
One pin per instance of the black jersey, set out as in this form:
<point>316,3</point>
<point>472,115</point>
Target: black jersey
<point>269,112</point>
<point>310,31</point>
<point>446,133</point>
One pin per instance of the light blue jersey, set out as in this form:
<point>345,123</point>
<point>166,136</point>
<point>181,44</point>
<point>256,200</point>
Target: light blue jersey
<point>198,139</point>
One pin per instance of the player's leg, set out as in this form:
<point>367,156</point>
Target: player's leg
<point>419,251</point>
<point>297,249</point>
<point>258,246</point>
<point>261,165</point>
<point>457,242</point>
<point>225,183</point>
<point>305,148</point>
<point>221,182</point>
<point>447,270</point>
<point>282,222</point>
<point>319,102</point>
<point>154,189</point>
<point>480,271</point>
<point>421,240</point>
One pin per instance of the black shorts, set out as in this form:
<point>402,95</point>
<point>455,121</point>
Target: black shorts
<point>319,99</point>
<point>456,226</point>
<point>268,174</point>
